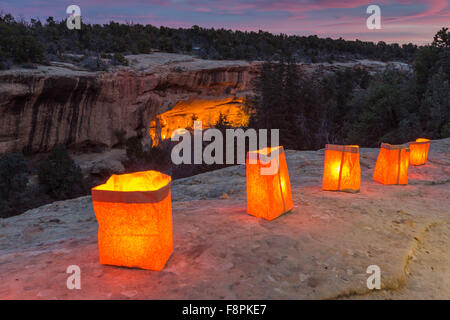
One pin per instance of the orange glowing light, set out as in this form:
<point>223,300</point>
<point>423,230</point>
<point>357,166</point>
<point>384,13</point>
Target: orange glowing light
<point>206,110</point>
<point>134,213</point>
<point>392,164</point>
<point>268,188</point>
<point>418,151</point>
<point>341,171</point>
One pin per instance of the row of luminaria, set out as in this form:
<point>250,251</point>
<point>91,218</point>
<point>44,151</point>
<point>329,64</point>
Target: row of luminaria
<point>134,211</point>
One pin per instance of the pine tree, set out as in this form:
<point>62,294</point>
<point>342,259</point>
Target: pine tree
<point>60,176</point>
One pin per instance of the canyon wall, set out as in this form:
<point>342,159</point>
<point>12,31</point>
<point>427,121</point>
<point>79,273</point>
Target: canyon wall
<point>154,95</point>
<point>42,107</point>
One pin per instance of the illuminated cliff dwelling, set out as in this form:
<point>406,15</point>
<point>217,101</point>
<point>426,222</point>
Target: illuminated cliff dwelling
<point>182,115</point>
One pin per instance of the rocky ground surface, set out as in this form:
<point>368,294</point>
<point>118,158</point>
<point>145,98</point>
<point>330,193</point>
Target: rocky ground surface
<point>320,250</point>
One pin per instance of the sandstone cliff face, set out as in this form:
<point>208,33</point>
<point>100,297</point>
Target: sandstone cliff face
<point>61,104</point>
<point>50,105</point>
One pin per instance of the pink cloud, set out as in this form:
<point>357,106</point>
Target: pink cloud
<point>202,10</point>
<point>435,7</point>
<point>419,19</point>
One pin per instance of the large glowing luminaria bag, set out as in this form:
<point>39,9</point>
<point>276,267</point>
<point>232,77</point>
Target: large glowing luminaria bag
<point>418,151</point>
<point>341,169</point>
<point>392,164</point>
<point>134,213</point>
<point>268,187</point>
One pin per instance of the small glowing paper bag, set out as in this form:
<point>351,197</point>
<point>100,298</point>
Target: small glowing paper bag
<point>418,151</point>
<point>268,187</point>
<point>341,171</point>
<point>392,164</point>
<point>134,213</point>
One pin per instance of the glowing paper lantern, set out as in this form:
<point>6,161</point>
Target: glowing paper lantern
<point>134,213</point>
<point>268,187</point>
<point>341,168</point>
<point>392,164</point>
<point>418,151</point>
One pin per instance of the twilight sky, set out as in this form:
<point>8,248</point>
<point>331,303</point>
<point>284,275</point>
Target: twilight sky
<point>402,21</point>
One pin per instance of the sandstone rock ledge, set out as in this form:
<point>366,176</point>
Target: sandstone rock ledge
<point>320,250</point>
